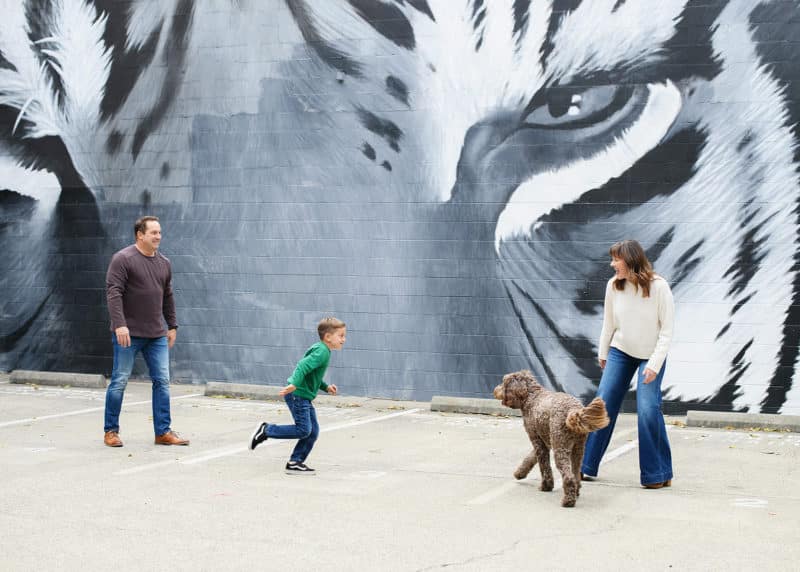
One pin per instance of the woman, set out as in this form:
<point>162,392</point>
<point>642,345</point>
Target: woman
<point>637,328</point>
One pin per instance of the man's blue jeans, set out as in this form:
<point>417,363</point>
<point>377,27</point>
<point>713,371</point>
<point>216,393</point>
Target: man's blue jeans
<point>156,355</point>
<point>655,458</point>
<point>305,427</point>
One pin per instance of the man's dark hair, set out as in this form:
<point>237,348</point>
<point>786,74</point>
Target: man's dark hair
<point>141,224</point>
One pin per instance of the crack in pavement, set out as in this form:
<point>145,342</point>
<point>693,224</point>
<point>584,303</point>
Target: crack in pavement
<point>473,559</point>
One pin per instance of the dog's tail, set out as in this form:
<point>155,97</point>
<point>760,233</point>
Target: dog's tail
<point>589,418</point>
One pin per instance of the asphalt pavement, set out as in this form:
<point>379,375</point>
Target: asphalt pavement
<point>398,487</point>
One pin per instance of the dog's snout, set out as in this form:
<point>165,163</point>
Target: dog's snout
<point>498,392</point>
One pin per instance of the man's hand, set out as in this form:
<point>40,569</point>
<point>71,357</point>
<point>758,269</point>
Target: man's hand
<point>332,389</point>
<point>123,336</point>
<point>649,375</point>
<point>287,390</point>
<point>172,335</point>
<point>602,363</point>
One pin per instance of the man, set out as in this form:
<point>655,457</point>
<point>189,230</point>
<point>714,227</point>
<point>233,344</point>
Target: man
<point>139,294</point>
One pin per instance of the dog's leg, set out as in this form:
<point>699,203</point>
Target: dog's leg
<point>543,454</point>
<point>577,460</point>
<point>526,465</point>
<point>564,466</point>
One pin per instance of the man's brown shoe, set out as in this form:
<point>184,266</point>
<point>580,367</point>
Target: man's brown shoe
<point>170,438</point>
<point>111,439</point>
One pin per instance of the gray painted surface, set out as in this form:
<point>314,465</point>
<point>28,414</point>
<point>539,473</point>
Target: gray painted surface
<point>446,181</point>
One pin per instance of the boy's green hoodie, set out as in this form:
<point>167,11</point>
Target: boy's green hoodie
<point>308,374</point>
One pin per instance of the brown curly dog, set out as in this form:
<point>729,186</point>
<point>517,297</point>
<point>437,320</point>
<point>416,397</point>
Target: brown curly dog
<point>555,421</point>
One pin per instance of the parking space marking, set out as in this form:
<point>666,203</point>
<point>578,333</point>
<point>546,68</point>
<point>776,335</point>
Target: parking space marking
<point>493,494</point>
<point>229,450</point>
<point>489,496</point>
<point>82,411</point>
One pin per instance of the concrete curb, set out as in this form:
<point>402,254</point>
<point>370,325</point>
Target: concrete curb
<point>243,390</point>
<point>471,405</point>
<point>725,419</point>
<point>58,378</point>
<point>270,393</point>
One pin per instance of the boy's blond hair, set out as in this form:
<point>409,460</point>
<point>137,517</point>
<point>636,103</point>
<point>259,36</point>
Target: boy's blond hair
<point>328,325</point>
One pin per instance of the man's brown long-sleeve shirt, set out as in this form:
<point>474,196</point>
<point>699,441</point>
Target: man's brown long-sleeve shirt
<point>139,293</point>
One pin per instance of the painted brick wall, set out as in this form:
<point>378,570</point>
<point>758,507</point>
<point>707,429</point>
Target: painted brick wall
<point>444,176</point>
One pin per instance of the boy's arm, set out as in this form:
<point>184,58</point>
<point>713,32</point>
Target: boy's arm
<point>286,390</point>
<point>309,363</point>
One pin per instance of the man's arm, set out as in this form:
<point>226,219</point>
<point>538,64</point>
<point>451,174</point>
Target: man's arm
<point>168,308</point>
<point>169,303</point>
<point>116,281</point>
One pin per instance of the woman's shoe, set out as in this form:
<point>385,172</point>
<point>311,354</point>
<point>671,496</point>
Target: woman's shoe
<point>587,478</point>
<point>667,483</point>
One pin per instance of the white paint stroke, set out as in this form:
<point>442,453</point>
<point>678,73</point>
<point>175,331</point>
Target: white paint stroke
<point>548,191</point>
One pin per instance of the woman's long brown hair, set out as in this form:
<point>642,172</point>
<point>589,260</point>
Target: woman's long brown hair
<point>639,268</point>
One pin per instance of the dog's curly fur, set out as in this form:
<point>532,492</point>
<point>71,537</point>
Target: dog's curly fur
<point>555,421</point>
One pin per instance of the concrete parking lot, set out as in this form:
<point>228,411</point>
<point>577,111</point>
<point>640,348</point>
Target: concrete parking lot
<point>398,488</point>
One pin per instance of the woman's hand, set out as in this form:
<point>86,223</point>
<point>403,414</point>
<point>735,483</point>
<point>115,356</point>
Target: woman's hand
<point>649,375</point>
<point>602,363</point>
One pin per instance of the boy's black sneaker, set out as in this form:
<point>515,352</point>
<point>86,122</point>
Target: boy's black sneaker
<point>259,436</point>
<point>294,468</point>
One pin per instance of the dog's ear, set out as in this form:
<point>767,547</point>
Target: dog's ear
<point>530,379</point>
<point>516,386</point>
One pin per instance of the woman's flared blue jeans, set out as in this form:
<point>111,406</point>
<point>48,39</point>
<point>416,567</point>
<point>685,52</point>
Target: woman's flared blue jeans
<point>655,457</point>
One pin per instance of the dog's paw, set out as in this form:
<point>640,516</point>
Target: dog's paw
<point>567,502</point>
<point>519,474</point>
<point>546,486</point>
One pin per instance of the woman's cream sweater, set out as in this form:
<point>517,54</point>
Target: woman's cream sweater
<point>641,327</point>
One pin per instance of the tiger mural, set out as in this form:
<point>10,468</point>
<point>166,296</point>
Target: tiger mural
<point>446,174</point>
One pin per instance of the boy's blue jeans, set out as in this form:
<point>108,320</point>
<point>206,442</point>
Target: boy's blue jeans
<point>305,427</point>
<point>156,355</point>
<point>655,458</point>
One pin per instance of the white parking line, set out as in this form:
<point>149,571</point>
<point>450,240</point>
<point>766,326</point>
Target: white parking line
<point>82,411</point>
<point>493,494</point>
<point>229,450</point>
<point>490,495</point>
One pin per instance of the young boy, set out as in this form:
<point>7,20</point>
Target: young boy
<point>300,391</point>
